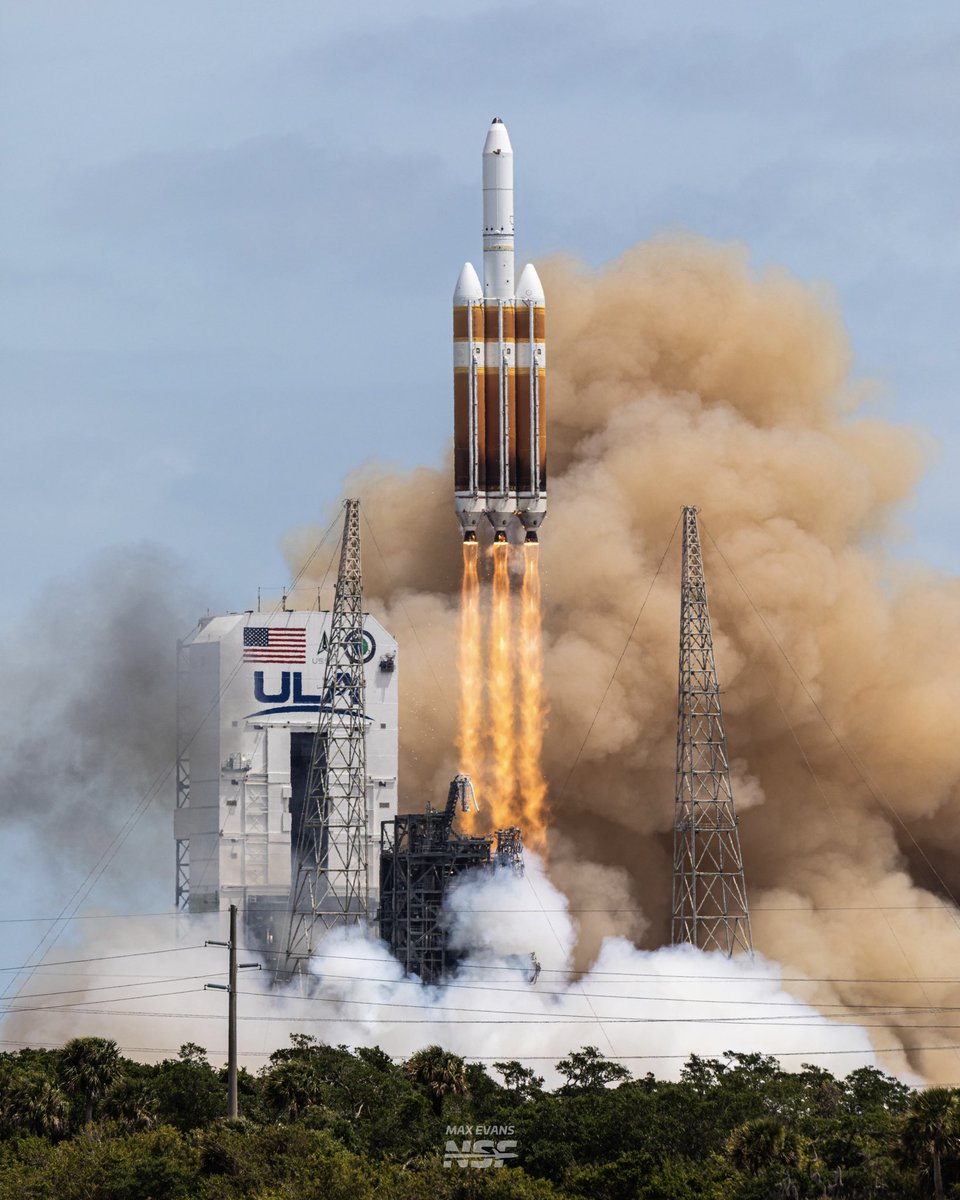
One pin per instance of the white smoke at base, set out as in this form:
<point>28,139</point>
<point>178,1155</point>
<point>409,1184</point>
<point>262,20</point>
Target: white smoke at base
<point>649,1010</point>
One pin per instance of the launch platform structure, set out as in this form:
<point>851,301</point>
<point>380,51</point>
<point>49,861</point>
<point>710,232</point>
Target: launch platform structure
<point>709,895</point>
<point>329,884</point>
<point>421,857</point>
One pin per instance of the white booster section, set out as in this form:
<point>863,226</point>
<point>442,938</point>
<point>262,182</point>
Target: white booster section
<point>250,697</point>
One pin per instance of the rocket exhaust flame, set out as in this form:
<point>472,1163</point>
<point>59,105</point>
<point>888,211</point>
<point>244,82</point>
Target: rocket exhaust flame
<point>509,778</point>
<point>533,707</point>
<point>501,789</point>
<point>470,739</point>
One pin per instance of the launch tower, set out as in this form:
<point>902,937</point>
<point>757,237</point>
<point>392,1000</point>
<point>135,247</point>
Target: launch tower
<point>330,884</point>
<point>709,896</point>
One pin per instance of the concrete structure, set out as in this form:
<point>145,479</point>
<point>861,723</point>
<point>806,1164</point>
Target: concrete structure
<point>249,704</point>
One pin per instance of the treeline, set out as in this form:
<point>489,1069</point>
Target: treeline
<point>85,1123</point>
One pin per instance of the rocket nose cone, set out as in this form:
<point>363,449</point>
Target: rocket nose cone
<point>468,289</point>
<point>529,286</point>
<point>498,140</point>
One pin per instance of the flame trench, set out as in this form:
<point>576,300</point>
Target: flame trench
<point>533,707</point>
<point>470,663</point>
<point>500,789</point>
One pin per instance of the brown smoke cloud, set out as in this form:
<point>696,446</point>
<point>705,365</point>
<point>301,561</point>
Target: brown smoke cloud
<point>679,376</point>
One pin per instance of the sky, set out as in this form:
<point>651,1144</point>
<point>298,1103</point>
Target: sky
<point>230,232</point>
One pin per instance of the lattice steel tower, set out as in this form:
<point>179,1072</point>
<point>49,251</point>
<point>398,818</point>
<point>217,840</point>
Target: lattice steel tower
<point>709,895</point>
<point>330,882</point>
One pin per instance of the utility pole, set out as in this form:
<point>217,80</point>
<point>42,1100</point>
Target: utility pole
<point>231,990</point>
<point>709,894</point>
<point>330,885</point>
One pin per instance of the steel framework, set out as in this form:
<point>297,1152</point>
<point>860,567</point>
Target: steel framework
<point>421,856</point>
<point>329,885</point>
<point>182,868</point>
<point>709,895</point>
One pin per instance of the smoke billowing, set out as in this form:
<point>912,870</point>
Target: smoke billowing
<point>88,713</point>
<point>678,376</point>
<point>493,1008</point>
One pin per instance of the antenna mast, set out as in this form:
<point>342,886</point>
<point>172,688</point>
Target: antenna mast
<point>709,896</point>
<point>330,880</point>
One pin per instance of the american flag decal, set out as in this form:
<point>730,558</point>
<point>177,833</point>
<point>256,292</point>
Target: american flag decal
<point>263,644</point>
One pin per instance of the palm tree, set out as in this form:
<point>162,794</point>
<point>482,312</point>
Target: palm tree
<point>438,1073</point>
<point>35,1103</point>
<point>133,1103</point>
<point>90,1066</point>
<point>931,1128</point>
<point>764,1145</point>
<point>291,1087</point>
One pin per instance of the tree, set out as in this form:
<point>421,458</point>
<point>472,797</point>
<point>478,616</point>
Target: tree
<point>33,1102</point>
<point>587,1070</point>
<point>133,1103</point>
<point>766,1146</point>
<point>438,1073</point>
<point>292,1087</point>
<point>869,1089</point>
<point>189,1092</point>
<point>931,1130</point>
<point>89,1067</point>
<point>520,1081</point>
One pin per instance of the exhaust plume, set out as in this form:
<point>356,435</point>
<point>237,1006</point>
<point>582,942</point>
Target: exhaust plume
<point>532,708</point>
<point>499,796</point>
<point>680,376</point>
<point>690,1002</point>
<point>470,663</point>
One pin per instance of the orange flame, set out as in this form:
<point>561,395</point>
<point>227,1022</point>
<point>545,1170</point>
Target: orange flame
<point>533,707</point>
<point>500,743</point>
<point>499,810</point>
<point>470,740</point>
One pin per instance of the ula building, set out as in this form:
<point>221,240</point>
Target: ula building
<point>250,696</point>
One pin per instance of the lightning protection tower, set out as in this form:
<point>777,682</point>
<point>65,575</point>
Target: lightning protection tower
<point>709,896</point>
<point>329,883</point>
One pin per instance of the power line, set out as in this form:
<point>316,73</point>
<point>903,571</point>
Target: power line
<point>876,794</point>
<point>626,645</point>
<point>813,911</point>
<point>522,1056</point>
<point>69,962</point>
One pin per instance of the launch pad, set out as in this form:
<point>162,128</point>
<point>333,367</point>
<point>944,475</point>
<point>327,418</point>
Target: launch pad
<point>422,856</point>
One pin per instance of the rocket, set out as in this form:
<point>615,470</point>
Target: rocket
<point>499,370</point>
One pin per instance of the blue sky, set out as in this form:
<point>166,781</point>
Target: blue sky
<point>230,231</point>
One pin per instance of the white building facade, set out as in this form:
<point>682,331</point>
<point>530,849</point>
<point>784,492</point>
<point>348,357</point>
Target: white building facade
<point>249,693</point>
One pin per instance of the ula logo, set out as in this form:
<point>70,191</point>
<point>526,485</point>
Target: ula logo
<point>343,695</point>
<point>480,1152</point>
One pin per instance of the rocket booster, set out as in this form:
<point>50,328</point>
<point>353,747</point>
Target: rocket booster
<point>499,370</point>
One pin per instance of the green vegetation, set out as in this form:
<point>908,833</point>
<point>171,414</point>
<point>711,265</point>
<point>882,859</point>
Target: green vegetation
<point>84,1123</point>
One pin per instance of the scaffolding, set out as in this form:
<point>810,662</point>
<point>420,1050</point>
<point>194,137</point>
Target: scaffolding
<point>330,882</point>
<point>709,895</point>
<point>421,856</point>
<point>182,865</point>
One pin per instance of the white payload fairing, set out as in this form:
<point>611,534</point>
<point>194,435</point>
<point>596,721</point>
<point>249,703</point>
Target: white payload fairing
<point>499,370</point>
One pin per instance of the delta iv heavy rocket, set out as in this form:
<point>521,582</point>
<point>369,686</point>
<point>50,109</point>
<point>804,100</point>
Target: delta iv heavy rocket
<point>499,370</point>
